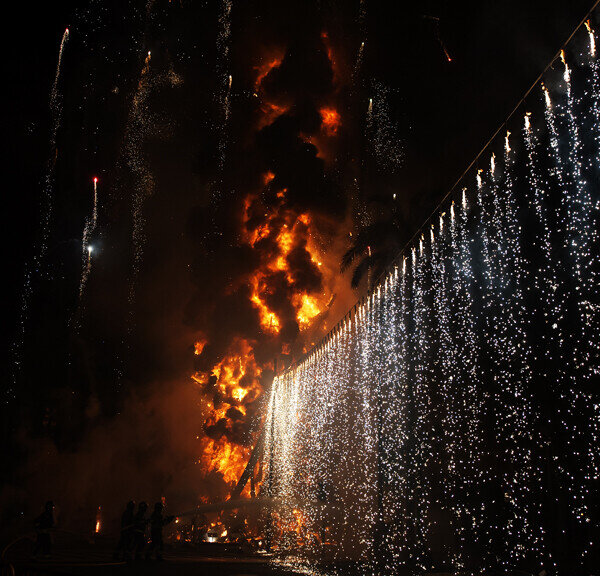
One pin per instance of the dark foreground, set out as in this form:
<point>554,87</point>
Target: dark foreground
<point>95,559</point>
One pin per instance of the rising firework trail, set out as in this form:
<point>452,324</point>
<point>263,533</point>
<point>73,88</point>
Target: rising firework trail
<point>88,230</point>
<point>436,23</point>
<point>224,82</point>
<point>34,267</point>
<point>141,125</point>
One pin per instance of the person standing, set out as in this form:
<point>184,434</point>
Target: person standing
<point>139,530</point>
<point>43,525</point>
<point>126,538</point>
<point>157,522</point>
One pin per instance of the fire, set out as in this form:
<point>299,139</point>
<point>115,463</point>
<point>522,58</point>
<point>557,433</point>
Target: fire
<point>199,347</point>
<point>266,67</point>
<point>288,261</point>
<point>331,56</point>
<point>289,231</point>
<point>268,319</point>
<point>225,457</point>
<point>308,309</point>
<point>98,520</point>
<point>271,111</point>
<point>235,382</point>
<point>331,120</point>
<point>239,394</point>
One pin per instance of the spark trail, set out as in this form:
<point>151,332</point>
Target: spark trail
<point>142,124</point>
<point>473,413</point>
<point>35,267</point>
<point>223,92</point>
<point>87,248</point>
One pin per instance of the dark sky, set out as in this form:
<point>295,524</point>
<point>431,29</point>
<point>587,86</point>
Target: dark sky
<point>498,48</point>
<point>439,114</point>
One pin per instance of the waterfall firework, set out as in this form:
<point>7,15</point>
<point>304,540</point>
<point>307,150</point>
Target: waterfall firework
<point>464,379</point>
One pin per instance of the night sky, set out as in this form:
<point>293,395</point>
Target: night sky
<point>188,277</point>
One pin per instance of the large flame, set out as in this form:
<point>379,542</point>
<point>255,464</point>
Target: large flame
<point>331,120</point>
<point>235,385</point>
<point>281,235</point>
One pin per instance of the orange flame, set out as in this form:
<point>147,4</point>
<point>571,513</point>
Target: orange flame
<point>237,386</point>
<point>331,120</point>
<point>280,235</point>
<point>199,347</point>
<point>263,69</point>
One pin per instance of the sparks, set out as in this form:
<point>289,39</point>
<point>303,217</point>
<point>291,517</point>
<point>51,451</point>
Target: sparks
<point>592,38</point>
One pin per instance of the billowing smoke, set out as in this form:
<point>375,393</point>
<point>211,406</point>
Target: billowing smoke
<point>222,218</point>
<point>268,246</point>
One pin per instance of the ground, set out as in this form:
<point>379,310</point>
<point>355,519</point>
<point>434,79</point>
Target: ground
<point>95,559</point>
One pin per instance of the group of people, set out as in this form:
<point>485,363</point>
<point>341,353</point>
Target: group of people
<point>133,542</point>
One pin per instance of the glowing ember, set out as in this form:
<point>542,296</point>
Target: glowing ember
<point>331,121</point>
<point>98,520</point>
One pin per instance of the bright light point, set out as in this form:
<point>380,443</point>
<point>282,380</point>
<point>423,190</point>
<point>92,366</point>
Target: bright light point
<point>90,249</point>
<point>95,179</point>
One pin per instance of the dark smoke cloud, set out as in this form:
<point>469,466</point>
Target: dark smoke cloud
<point>115,413</point>
<point>221,308</point>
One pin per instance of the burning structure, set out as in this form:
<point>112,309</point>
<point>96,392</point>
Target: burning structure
<point>285,234</point>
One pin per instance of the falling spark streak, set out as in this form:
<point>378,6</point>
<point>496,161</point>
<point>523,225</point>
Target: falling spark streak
<point>36,266</point>
<point>592,38</point>
<point>358,65</point>
<point>567,73</point>
<point>140,126</point>
<point>223,92</point>
<point>482,347</point>
<point>546,96</point>
<point>88,230</point>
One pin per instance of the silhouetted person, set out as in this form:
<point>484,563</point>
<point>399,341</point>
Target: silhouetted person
<point>126,538</point>
<point>157,521</point>
<point>43,525</point>
<point>139,530</point>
